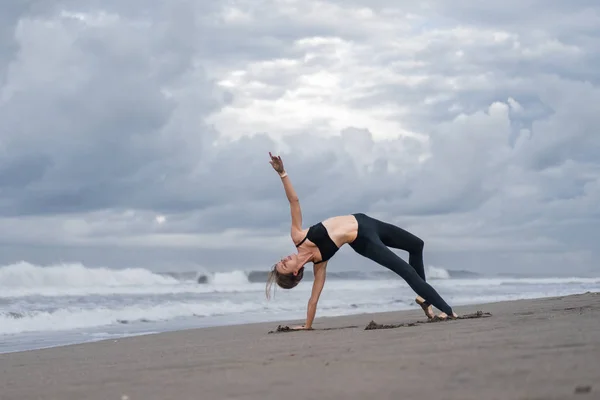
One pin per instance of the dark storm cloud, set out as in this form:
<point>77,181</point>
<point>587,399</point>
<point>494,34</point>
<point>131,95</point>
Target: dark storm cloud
<point>93,127</point>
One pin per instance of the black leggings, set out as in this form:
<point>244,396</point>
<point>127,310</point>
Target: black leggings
<point>373,239</point>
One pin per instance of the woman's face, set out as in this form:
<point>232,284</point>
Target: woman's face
<point>288,265</point>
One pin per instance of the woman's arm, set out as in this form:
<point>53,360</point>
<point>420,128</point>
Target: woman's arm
<point>295,209</point>
<point>320,273</point>
<point>290,192</point>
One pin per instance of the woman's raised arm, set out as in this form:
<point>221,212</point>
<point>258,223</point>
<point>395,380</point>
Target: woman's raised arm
<point>292,197</point>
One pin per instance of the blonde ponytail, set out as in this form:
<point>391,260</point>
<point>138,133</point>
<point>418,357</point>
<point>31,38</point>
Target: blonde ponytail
<point>271,278</point>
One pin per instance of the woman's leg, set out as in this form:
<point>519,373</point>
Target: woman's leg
<point>398,238</point>
<point>377,251</point>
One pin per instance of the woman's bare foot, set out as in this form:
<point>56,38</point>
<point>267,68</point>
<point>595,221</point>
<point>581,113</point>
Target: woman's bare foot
<point>427,308</point>
<point>444,316</point>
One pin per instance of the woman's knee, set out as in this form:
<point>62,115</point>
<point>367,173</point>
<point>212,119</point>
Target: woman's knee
<point>419,245</point>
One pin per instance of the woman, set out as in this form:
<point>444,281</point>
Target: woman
<point>368,236</point>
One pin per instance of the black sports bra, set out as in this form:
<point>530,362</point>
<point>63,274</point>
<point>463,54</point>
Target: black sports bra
<point>320,237</point>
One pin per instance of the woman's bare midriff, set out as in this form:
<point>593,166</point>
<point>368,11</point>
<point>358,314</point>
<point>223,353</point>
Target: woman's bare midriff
<point>342,229</point>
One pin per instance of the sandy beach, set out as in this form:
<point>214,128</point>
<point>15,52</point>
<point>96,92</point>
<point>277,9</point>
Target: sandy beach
<point>527,349</point>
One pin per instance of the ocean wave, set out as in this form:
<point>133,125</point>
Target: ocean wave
<point>96,316</point>
<point>77,318</point>
<point>241,277</point>
<point>24,279</point>
<point>24,274</point>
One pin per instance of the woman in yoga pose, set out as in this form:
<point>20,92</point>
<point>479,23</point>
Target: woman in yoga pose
<point>367,236</point>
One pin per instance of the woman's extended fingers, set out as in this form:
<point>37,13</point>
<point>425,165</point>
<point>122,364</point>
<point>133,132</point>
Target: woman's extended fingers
<point>275,161</point>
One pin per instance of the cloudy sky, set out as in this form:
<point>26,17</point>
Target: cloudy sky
<point>136,133</point>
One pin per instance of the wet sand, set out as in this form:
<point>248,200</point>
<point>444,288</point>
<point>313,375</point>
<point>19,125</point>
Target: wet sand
<point>527,350</point>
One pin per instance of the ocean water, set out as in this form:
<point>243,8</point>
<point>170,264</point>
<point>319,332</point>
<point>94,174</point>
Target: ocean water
<point>45,306</point>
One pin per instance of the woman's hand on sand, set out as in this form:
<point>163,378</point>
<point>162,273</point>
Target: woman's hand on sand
<point>276,163</point>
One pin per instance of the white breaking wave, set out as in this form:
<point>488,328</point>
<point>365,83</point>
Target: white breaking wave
<point>228,278</point>
<point>28,275</point>
<point>24,279</point>
<point>436,273</point>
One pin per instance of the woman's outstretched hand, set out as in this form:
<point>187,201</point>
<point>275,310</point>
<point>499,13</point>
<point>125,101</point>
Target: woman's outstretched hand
<point>277,164</point>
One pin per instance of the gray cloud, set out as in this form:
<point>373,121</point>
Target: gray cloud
<point>114,113</point>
